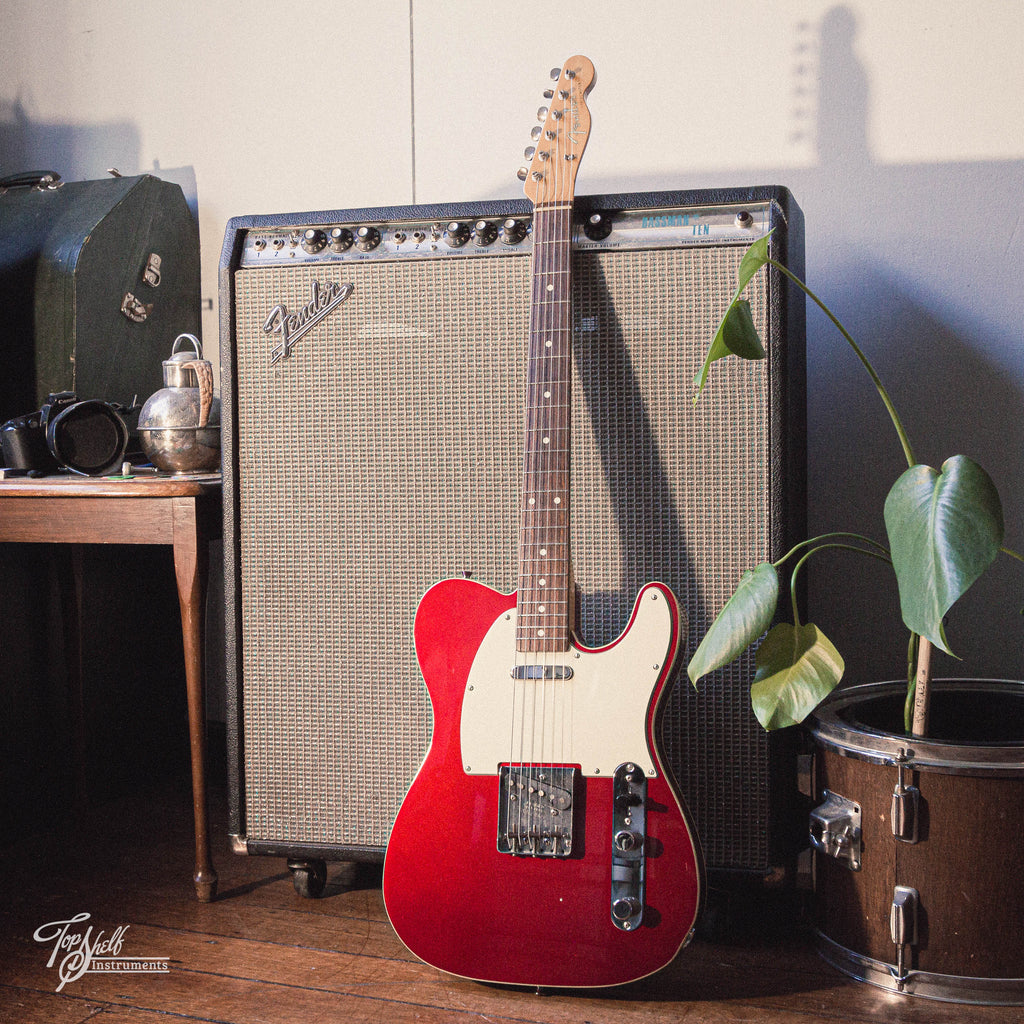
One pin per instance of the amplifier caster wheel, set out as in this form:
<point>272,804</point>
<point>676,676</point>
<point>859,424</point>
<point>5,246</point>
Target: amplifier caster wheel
<point>309,877</point>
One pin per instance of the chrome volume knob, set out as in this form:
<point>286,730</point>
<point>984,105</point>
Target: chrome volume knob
<point>314,240</point>
<point>456,234</point>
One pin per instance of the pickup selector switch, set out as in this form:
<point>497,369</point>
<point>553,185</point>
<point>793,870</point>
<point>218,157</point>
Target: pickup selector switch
<point>314,240</point>
<point>367,238</point>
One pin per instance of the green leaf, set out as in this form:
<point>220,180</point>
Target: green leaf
<point>746,615</point>
<point>797,668</point>
<point>945,529</point>
<point>736,334</point>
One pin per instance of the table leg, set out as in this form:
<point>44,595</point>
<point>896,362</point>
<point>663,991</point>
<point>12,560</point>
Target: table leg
<point>190,568</point>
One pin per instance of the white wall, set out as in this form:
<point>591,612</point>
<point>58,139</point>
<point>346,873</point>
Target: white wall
<point>897,126</point>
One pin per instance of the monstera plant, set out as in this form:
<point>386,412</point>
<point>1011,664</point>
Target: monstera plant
<point>944,527</point>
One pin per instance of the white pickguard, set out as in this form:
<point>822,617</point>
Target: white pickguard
<point>597,719</point>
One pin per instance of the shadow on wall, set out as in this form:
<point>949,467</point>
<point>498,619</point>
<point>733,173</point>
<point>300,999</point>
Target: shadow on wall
<point>923,265</point>
<point>80,152</point>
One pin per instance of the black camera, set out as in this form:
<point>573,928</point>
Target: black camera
<point>87,437</point>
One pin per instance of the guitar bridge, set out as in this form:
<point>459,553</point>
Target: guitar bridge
<point>535,810</point>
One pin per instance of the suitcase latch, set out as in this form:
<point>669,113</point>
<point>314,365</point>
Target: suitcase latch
<point>151,275</point>
<point>835,829</point>
<point>134,309</point>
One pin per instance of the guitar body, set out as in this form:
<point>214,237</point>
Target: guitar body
<point>459,902</point>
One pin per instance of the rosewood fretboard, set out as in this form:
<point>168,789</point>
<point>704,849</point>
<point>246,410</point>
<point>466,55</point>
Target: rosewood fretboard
<point>545,577</point>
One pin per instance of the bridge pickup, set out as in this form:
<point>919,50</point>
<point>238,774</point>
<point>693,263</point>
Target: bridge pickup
<point>542,672</point>
<point>535,810</point>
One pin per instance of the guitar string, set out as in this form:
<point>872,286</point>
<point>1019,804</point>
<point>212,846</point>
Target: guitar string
<point>542,720</point>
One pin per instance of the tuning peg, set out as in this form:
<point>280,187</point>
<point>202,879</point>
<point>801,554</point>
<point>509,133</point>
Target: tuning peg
<point>522,173</point>
<point>556,74</point>
<point>529,151</point>
<point>549,94</point>
<point>542,113</point>
<point>535,132</point>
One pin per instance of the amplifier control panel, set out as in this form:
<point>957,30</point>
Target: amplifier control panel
<point>498,235</point>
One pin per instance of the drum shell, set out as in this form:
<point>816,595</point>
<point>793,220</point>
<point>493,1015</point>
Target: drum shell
<point>965,862</point>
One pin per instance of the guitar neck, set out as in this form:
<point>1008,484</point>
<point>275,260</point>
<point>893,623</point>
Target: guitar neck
<point>545,574</point>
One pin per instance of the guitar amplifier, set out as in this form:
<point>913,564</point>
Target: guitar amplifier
<point>373,366</point>
<point>96,280</point>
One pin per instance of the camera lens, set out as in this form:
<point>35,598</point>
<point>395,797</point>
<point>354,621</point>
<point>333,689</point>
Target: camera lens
<point>88,438</point>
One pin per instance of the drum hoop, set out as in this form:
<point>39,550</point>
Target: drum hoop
<point>877,747</point>
<point>950,988</point>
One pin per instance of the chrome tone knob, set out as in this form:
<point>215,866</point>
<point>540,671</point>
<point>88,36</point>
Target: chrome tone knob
<point>367,238</point>
<point>513,231</point>
<point>484,233</point>
<point>341,239</point>
<point>314,240</point>
<point>457,234</point>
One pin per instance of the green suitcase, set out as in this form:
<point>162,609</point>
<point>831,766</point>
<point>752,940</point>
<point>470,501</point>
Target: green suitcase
<point>97,278</point>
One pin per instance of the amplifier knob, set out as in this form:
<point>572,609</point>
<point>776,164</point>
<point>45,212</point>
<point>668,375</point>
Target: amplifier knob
<point>367,238</point>
<point>341,239</point>
<point>484,232</point>
<point>456,234</point>
<point>597,226</point>
<point>513,231</point>
<point>314,240</point>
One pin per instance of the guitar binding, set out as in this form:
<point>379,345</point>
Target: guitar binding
<point>536,810</point>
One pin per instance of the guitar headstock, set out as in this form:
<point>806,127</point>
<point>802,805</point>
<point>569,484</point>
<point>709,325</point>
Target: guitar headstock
<point>562,135</point>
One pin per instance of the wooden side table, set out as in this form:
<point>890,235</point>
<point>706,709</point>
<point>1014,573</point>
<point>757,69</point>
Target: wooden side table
<point>183,512</point>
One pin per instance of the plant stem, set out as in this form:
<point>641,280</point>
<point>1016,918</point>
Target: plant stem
<point>881,548</point>
<point>908,704</point>
<point>879,386</point>
<point>822,547</point>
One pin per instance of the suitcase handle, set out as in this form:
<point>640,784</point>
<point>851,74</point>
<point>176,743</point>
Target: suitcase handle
<point>37,179</point>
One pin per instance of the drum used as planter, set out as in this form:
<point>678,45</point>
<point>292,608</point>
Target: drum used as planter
<point>919,880</point>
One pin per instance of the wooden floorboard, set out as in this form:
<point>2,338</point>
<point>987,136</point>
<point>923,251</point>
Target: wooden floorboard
<point>261,954</point>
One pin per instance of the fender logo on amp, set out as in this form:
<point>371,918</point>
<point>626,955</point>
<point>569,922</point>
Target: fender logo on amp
<point>288,328</point>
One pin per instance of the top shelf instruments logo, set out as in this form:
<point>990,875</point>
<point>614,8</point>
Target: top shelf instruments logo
<point>75,951</point>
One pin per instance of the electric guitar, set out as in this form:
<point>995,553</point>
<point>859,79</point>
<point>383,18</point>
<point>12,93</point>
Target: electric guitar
<point>543,842</point>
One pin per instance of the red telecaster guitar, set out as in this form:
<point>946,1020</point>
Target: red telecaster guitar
<point>543,842</point>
